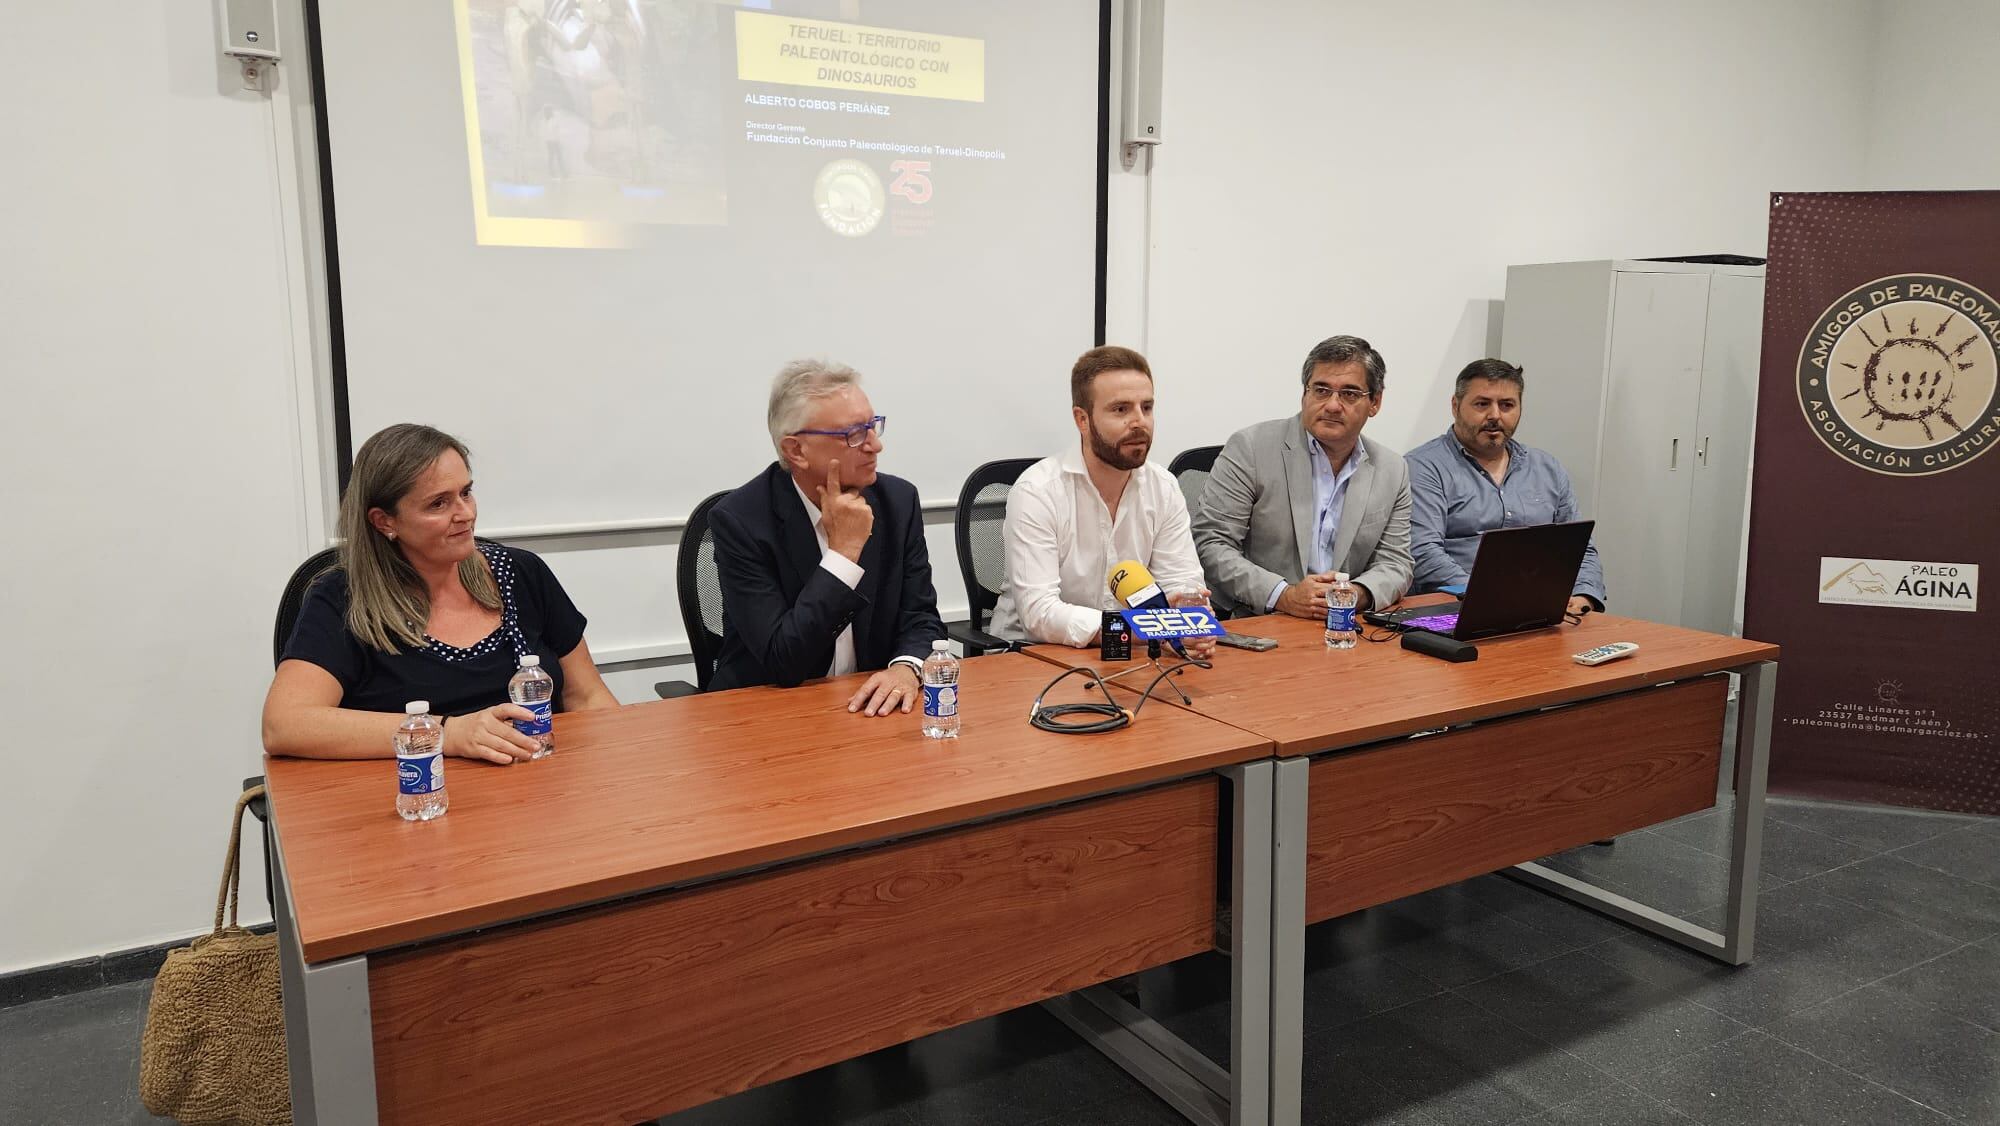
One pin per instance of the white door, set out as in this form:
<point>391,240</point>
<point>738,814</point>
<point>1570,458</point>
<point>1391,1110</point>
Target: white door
<point>1724,431</point>
<point>1646,459</point>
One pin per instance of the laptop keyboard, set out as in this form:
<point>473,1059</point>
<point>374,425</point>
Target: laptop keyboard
<point>1436,623</point>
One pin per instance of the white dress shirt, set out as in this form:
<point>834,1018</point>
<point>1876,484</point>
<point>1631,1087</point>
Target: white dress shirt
<point>848,572</point>
<point>842,568</point>
<point>1062,544</point>
<point>1329,503</point>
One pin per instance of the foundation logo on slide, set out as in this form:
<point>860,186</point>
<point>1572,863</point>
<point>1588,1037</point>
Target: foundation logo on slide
<point>849,198</point>
<point>1900,375</point>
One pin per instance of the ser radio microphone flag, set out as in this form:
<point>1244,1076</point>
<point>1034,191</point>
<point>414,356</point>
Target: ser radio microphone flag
<point>1152,618</point>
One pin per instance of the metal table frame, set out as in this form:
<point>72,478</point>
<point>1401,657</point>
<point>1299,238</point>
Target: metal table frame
<point>330,1035</point>
<point>1734,946</point>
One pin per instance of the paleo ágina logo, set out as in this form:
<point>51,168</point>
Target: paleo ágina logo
<point>1902,376</point>
<point>1899,582</point>
<point>1860,579</point>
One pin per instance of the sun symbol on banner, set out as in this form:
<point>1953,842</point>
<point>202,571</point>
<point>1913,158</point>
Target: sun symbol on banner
<point>1901,375</point>
<point>1911,377</point>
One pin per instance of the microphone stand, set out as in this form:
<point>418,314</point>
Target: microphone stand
<point>1166,672</point>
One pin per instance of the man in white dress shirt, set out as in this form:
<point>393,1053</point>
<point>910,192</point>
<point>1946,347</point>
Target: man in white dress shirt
<point>1071,518</point>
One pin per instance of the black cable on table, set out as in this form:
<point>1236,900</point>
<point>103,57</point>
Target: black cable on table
<point>1111,715</point>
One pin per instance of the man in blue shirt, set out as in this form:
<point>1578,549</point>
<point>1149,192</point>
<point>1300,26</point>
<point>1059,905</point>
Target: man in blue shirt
<point>1476,477</point>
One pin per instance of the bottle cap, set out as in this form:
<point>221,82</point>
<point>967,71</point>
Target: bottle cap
<point>531,661</point>
<point>417,707</point>
<point>940,646</point>
<point>1340,576</point>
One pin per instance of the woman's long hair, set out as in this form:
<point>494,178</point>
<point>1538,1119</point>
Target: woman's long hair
<point>388,604</point>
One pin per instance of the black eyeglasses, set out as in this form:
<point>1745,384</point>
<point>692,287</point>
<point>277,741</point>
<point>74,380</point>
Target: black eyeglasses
<point>1349,396</point>
<point>856,435</point>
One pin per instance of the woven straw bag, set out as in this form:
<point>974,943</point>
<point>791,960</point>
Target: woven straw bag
<point>213,1053</point>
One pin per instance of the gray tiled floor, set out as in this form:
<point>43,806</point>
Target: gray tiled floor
<point>1874,1001</point>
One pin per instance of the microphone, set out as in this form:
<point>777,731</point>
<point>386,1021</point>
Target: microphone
<point>1134,587</point>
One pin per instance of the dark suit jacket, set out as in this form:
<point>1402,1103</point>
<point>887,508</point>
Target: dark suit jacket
<point>783,611</point>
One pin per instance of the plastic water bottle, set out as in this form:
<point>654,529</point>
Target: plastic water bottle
<point>535,690</point>
<point>1341,599</point>
<point>941,692</point>
<point>420,764</point>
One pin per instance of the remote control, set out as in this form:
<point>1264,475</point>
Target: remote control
<point>1605,653</point>
<point>1245,641</point>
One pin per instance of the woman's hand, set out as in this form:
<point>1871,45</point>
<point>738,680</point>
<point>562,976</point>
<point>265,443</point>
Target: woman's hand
<point>490,735</point>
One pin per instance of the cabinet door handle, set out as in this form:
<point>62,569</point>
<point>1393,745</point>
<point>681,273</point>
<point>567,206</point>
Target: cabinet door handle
<point>1701,454</point>
<point>1674,455</point>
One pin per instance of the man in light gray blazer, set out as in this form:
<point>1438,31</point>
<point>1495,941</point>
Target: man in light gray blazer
<point>1294,500</point>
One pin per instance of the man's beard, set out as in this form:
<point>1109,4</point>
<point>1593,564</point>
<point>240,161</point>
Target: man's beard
<point>1114,456</point>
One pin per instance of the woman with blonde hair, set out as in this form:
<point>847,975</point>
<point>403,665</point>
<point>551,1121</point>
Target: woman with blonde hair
<point>418,609</point>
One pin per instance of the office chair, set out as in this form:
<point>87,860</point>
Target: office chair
<point>289,604</point>
<point>294,598</point>
<point>982,554</point>
<point>699,585</point>
<point>1191,468</point>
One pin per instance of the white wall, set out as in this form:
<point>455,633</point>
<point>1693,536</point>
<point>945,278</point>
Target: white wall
<point>1374,168</point>
<point>1933,83</point>
<point>164,445</point>
<point>151,450</point>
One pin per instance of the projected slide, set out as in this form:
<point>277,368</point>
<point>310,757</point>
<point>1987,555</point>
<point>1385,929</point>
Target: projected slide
<point>612,123</point>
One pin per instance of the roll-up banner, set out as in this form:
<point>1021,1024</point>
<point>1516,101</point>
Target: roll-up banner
<point>1875,498</point>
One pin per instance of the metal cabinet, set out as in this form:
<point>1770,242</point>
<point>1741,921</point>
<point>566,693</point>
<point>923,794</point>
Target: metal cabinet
<point>1642,379</point>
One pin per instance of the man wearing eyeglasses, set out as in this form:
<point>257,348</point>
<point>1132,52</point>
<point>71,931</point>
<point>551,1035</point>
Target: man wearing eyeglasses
<point>822,560</point>
<point>1293,501</point>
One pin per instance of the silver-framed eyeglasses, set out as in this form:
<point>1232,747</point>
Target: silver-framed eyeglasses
<point>1349,396</point>
<point>856,435</point>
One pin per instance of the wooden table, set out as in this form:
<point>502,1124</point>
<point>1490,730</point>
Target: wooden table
<point>697,896</point>
<point>1399,772</point>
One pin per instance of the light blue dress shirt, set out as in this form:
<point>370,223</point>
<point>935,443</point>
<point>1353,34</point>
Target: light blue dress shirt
<point>1329,499</point>
<point>1454,501</point>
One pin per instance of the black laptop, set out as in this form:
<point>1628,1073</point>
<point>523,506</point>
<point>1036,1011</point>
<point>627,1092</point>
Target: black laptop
<point>1522,579</point>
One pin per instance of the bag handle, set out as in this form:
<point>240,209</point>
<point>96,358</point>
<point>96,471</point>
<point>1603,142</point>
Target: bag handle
<point>232,867</point>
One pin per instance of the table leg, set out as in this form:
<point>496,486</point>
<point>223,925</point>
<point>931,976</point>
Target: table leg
<point>329,1038</point>
<point>1172,1069</point>
<point>1736,944</point>
<point>1288,939</point>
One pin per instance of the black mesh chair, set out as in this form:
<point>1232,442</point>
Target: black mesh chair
<point>1191,469</point>
<point>289,603</point>
<point>294,598</point>
<point>982,552</point>
<point>699,584</point>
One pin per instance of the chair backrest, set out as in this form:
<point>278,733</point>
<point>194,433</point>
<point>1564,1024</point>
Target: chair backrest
<point>699,583</point>
<point>289,603</point>
<point>982,553</point>
<point>1191,468</point>
<point>294,598</point>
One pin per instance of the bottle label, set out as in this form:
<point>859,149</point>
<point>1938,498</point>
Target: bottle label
<point>1339,619</point>
<point>420,774</point>
<point>543,721</point>
<point>940,701</point>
